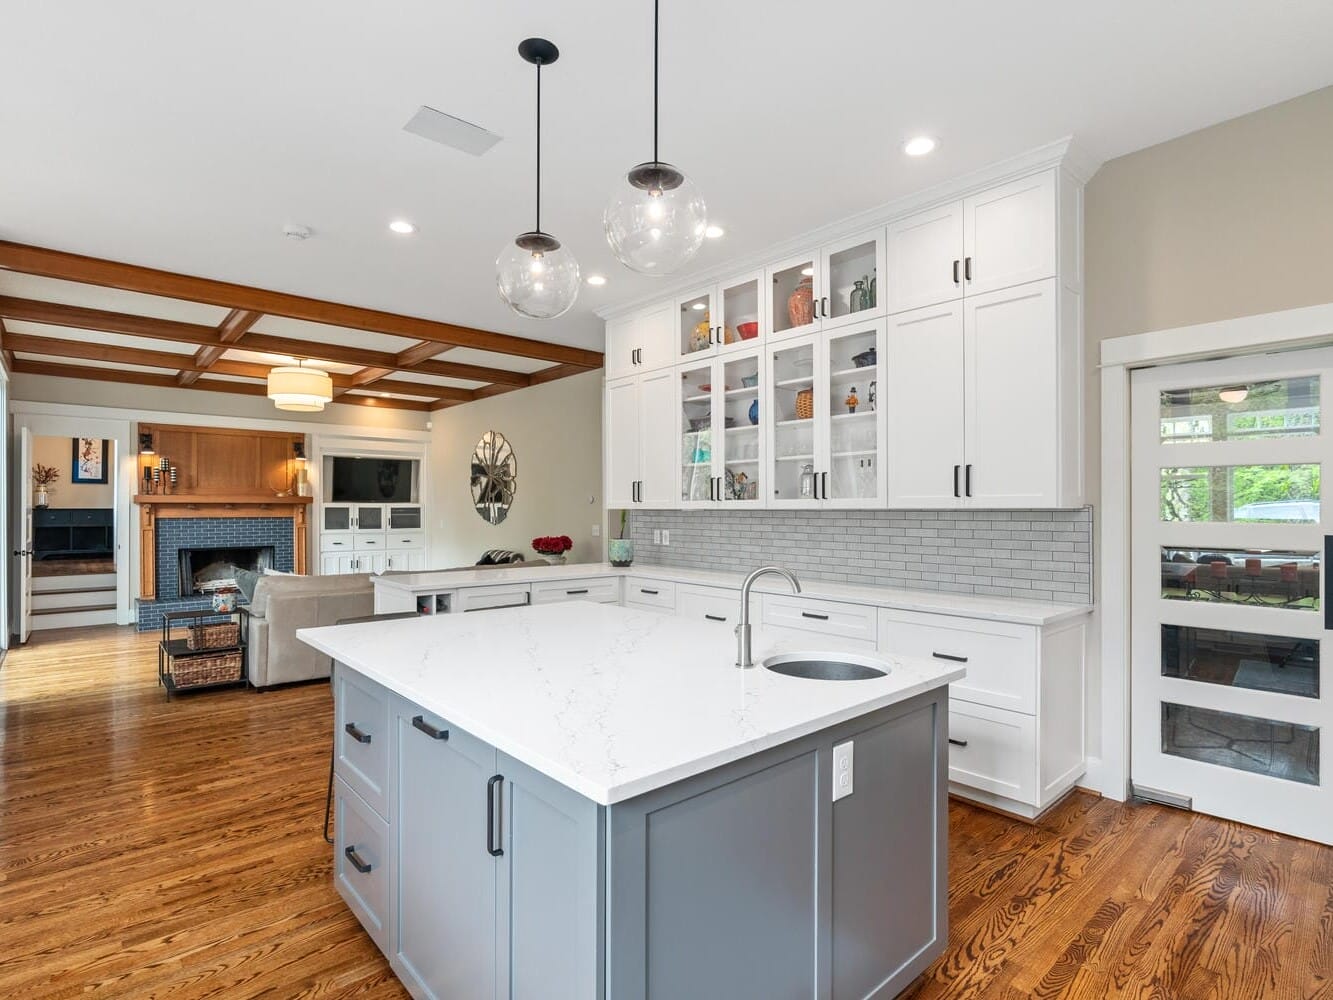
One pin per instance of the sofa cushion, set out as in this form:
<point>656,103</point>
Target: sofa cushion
<point>291,586</point>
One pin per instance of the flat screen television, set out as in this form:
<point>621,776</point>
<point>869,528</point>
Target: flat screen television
<point>371,480</point>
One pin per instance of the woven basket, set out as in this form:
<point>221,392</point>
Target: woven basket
<point>218,636</point>
<point>805,404</point>
<point>193,671</point>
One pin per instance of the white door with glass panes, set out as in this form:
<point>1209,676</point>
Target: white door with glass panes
<point>720,319</point>
<point>850,275</point>
<point>793,289</point>
<point>1230,702</point>
<point>721,444</point>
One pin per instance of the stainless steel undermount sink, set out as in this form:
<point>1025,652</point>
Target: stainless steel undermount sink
<point>827,666</point>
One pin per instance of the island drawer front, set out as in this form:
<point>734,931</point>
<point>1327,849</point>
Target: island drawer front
<point>642,592</point>
<point>993,750</point>
<point>402,540</point>
<point>848,621</point>
<point>361,843</point>
<point>603,590</point>
<point>483,598</point>
<point>361,736</point>
<point>711,604</point>
<point>336,541</point>
<point>1000,658</point>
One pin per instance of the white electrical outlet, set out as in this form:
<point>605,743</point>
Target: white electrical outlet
<point>657,536</point>
<point>596,531</point>
<point>842,770</point>
<point>666,537</point>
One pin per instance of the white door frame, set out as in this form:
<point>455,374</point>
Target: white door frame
<point>5,528</point>
<point>1292,329</point>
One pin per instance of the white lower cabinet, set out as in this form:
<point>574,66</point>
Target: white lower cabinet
<point>710,604</point>
<point>511,595</point>
<point>650,595</point>
<point>602,590</point>
<point>361,869</point>
<point>1016,721</point>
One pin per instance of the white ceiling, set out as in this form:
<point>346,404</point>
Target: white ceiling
<point>184,136</point>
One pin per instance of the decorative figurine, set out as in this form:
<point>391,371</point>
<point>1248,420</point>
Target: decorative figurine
<point>851,401</point>
<point>873,392</point>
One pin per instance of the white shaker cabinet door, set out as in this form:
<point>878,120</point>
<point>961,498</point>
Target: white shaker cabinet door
<point>921,386</point>
<point>621,435</point>
<point>1012,427</point>
<point>924,258</point>
<point>659,441</point>
<point>1009,234</point>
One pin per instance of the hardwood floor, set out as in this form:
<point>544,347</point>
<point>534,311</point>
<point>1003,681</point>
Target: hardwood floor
<point>152,850</point>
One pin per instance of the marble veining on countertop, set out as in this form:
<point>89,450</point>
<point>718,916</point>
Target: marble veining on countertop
<point>612,702</point>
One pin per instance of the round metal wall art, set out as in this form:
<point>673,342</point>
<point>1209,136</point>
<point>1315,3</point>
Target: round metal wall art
<point>494,477</point>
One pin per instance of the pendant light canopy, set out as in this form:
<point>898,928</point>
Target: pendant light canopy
<point>300,389</point>
<point>536,276</point>
<point>656,218</point>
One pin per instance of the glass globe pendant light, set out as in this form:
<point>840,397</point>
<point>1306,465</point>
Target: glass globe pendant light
<point>656,218</point>
<point>536,276</point>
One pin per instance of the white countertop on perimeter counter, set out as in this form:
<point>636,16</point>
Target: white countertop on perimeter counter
<point>1003,609</point>
<point>611,702</point>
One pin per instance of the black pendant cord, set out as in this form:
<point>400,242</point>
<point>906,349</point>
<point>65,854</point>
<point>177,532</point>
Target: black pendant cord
<point>655,47</point>
<point>539,147</point>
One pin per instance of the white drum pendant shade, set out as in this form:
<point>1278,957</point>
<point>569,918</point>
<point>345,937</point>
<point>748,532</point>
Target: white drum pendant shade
<point>303,390</point>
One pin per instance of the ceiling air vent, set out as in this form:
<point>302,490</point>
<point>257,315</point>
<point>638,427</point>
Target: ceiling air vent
<point>450,131</point>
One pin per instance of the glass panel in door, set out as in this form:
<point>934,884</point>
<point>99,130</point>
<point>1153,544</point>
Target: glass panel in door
<point>695,324</point>
<point>337,518</point>
<point>851,277</point>
<point>738,437</point>
<point>696,433</point>
<point>794,403</point>
<point>793,290</point>
<point>851,398</point>
<point>369,517</point>
<point>740,310</point>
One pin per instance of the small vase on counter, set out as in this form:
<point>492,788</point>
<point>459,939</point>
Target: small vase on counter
<point>620,551</point>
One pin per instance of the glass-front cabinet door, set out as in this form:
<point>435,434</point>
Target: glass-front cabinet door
<point>794,289</point>
<point>740,315</point>
<point>695,392</point>
<point>855,427</point>
<point>738,448</point>
<point>369,517</point>
<point>696,325</point>
<point>795,406</point>
<point>851,272</point>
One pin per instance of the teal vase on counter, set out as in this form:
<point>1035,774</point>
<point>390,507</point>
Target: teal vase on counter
<point>621,551</point>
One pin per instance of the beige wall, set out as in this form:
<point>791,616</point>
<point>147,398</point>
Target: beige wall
<point>556,433</point>
<point>58,452</point>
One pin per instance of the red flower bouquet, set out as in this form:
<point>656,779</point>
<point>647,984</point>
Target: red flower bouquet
<point>553,545</point>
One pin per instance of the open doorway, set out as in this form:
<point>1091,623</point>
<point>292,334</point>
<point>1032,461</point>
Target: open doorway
<point>73,542</point>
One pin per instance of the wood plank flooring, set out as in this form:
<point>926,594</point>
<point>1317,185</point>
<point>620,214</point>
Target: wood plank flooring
<point>172,850</point>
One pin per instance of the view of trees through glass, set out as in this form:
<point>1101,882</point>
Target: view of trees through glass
<point>1242,493</point>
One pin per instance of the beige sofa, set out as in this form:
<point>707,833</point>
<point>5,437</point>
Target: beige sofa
<point>283,604</point>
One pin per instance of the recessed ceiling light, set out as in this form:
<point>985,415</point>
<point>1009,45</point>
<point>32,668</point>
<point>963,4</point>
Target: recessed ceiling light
<point>402,227</point>
<point>596,279</point>
<point>714,232</point>
<point>699,305</point>
<point>919,145</point>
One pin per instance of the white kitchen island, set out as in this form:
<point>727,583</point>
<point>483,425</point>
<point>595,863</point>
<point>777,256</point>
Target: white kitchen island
<point>586,801</point>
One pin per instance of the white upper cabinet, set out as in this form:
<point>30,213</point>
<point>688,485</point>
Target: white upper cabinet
<point>720,454</point>
<point>1009,234</point>
<point>851,271</point>
<point>657,479</point>
<point>638,443</point>
<point>620,442</point>
<point>638,343</point>
<point>721,318</point>
<point>925,258</point>
<point>794,287</point>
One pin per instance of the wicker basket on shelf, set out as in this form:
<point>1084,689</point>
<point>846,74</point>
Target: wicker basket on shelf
<point>192,671</point>
<point>805,404</point>
<point>216,636</point>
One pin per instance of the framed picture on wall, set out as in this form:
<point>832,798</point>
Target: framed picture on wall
<point>90,460</point>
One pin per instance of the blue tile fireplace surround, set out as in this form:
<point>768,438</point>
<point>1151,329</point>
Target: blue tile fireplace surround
<point>176,533</point>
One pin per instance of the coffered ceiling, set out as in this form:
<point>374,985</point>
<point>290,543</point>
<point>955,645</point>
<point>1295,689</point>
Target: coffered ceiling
<point>185,136</point>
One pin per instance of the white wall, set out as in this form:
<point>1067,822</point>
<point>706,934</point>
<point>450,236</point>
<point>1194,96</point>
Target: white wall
<point>556,432</point>
<point>58,452</point>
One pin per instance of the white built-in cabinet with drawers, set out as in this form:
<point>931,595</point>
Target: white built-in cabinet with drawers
<point>976,377</point>
<point>371,538</point>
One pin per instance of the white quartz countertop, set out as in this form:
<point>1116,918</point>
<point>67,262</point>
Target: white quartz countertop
<point>611,702</point>
<point>1004,609</point>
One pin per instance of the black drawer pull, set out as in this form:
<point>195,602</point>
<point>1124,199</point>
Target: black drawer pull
<point>436,734</point>
<point>491,807</point>
<point>645,590</point>
<point>716,618</point>
<point>817,617</point>
<point>363,867</point>
<point>950,657</point>
<point>957,743</point>
<point>573,593</point>
<point>355,733</point>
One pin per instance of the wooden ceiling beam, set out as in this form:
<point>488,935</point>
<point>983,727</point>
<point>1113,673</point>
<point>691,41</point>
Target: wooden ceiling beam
<point>25,367</point>
<point>129,277</point>
<point>81,318</point>
<point>6,352</point>
<point>233,327</point>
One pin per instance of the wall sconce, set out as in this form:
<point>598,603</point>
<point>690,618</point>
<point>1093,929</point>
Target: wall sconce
<point>145,443</point>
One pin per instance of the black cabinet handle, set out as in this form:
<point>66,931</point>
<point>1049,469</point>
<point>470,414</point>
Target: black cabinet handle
<point>823,307</point>
<point>492,806</point>
<point>716,618</point>
<point>436,734</point>
<point>967,480</point>
<point>956,469</point>
<point>824,481</point>
<point>719,489</point>
<point>815,615</point>
<point>967,268</point>
<point>712,485</point>
<point>957,743</point>
<point>955,272</point>
<point>571,593</point>
<point>645,590</point>
<point>356,734</point>
<point>950,657</point>
<point>363,867</point>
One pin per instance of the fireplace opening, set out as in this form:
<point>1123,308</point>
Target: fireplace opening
<point>203,571</point>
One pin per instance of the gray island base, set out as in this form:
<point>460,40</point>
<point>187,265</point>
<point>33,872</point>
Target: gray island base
<point>480,876</point>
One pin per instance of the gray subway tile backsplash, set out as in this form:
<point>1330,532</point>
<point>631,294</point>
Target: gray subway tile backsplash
<point>1043,555</point>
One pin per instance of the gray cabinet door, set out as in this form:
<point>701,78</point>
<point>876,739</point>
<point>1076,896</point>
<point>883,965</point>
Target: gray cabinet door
<point>549,894</point>
<point>447,876</point>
